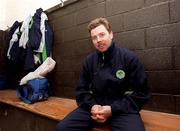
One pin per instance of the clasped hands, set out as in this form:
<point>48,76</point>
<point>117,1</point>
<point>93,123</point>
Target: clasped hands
<point>100,113</point>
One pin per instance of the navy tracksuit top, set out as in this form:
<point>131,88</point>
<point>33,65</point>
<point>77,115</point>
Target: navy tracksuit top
<point>116,78</point>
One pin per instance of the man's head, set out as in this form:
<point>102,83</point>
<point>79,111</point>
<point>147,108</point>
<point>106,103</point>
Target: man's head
<point>101,33</point>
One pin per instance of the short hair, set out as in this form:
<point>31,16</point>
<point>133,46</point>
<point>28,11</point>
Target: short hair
<point>99,21</point>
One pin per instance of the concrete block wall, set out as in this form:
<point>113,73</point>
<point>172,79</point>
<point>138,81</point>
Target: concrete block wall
<point>1,44</point>
<point>2,47</point>
<point>151,28</point>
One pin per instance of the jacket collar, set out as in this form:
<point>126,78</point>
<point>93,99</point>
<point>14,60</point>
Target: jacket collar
<point>107,56</point>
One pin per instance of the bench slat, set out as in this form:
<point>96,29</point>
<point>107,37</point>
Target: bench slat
<point>158,121</point>
<point>55,108</point>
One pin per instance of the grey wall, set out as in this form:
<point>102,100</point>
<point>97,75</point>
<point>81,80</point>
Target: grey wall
<point>2,48</point>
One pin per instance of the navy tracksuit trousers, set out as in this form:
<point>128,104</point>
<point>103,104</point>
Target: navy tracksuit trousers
<point>80,120</point>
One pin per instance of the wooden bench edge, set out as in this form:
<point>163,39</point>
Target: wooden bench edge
<point>67,105</point>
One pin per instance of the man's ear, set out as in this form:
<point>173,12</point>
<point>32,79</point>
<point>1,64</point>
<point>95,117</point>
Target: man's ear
<point>111,34</point>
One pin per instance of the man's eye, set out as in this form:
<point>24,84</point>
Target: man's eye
<point>101,35</point>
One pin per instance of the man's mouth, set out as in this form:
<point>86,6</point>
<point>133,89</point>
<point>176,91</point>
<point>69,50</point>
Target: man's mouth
<point>100,46</point>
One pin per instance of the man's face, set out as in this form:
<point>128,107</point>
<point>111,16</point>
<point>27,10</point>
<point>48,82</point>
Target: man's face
<point>101,38</point>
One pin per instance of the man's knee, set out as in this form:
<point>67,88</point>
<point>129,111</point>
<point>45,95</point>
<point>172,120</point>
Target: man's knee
<point>62,126</point>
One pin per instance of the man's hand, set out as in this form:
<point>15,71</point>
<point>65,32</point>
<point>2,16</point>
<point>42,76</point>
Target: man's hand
<point>106,111</point>
<point>95,114</point>
<point>100,113</point>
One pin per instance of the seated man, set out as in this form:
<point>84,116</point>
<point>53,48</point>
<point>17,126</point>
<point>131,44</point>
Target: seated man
<point>112,88</point>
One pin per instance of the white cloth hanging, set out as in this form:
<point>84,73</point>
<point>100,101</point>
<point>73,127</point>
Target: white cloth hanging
<point>46,67</point>
<point>13,39</point>
<point>25,32</point>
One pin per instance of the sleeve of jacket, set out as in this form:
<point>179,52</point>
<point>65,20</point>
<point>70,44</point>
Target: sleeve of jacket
<point>84,97</point>
<point>140,91</point>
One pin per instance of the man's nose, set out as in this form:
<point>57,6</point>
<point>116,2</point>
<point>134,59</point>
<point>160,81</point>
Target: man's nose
<point>98,38</point>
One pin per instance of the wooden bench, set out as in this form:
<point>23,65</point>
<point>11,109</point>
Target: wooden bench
<point>57,108</point>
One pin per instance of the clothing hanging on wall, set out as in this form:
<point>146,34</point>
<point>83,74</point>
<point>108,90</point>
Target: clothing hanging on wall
<point>35,37</point>
<point>28,44</point>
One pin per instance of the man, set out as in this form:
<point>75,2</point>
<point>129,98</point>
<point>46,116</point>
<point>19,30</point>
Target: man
<point>112,87</point>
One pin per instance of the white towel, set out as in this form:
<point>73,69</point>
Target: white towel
<point>46,67</point>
